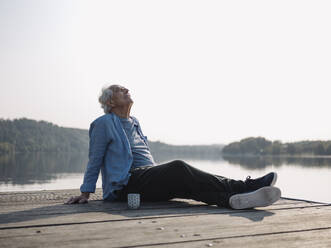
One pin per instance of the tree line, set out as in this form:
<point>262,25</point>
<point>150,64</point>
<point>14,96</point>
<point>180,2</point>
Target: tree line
<point>26,135</point>
<point>262,146</point>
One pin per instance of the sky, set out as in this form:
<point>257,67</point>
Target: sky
<point>199,72</point>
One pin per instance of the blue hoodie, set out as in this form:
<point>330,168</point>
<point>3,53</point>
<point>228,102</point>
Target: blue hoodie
<point>109,151</point>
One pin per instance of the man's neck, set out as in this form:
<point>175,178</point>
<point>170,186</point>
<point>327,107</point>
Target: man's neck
<point>122,112</point>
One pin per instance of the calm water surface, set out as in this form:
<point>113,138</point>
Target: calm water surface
<point>303,178</point>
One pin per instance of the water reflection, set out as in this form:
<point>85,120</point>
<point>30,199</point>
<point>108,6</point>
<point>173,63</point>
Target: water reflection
<point>162,157</point>
<point>261,162</point>
<point>30,168</point>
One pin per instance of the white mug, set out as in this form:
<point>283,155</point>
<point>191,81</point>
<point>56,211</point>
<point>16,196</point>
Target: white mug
<point>133,201</point>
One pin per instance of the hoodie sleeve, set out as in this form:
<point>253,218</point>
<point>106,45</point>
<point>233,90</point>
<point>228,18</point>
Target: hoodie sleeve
<point>99,140</point>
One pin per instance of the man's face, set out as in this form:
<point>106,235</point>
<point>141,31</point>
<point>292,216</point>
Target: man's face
<point>121,96</point>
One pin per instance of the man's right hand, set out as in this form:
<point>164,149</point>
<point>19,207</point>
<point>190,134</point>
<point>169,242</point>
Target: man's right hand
<point>83,198</point>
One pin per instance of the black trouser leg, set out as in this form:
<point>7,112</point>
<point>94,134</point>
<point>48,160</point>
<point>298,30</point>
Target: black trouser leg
<point>177,179</point>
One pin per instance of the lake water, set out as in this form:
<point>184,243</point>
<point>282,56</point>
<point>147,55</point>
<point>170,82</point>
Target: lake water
<point>301,178</point>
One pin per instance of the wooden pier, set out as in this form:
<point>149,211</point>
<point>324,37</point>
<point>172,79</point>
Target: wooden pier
<point>40,219</point>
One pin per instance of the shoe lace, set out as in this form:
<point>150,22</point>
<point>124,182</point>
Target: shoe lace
<point>251,183</point>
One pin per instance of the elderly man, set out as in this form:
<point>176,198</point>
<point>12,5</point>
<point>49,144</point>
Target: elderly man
<point>120,150</point>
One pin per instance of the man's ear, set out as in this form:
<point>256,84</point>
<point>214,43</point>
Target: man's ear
<point>111,104</point>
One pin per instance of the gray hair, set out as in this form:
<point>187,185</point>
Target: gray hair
<point>104,98</point>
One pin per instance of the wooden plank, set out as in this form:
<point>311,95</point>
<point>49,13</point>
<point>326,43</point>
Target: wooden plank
<point>100,211</point>
<point>23,213</point>
<point>39,219</point>
<point>37,197</point>
<point>60,196</point>
<point>302,239</point>
<point>94,206</point>
<point>46,210</point>
<point>155,231</point>
<point>25,200</point>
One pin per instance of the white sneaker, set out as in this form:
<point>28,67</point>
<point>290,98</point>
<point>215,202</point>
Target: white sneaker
<point>259,198</point>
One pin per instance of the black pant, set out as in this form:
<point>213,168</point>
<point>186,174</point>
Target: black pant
<point>178,179</point>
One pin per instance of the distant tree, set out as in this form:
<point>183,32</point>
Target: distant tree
<point>25,135</point>
<point>276,148</point>
<point>328,149</point>
<point>248,146</point>
<point>6,148</point>
<point>291,149</point>
<point>319,149</point>
<point>261,146</point>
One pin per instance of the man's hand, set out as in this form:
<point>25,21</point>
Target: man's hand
<point>83,198</point>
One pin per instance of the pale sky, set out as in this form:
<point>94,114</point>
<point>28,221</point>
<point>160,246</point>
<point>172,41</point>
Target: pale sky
<point>199,72</point>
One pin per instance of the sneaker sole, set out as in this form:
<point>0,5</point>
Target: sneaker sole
<point>259,198</point>
<point>274,180</point>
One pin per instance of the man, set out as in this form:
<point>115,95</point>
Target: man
<point>120,150</point>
